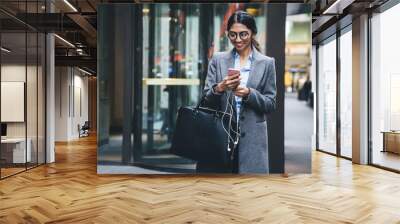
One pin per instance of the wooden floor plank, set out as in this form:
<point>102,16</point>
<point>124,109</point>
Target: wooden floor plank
<point>70,191</point>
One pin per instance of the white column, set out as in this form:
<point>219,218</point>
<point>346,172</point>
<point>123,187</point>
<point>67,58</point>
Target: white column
<point>360,90</point>
<point>50,93</point>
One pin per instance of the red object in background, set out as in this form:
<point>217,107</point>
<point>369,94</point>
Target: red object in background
<point>157,60</point>
<point>233,7</point>
<point>178,57</point>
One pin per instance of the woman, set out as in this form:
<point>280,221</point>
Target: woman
<point>253,90</point>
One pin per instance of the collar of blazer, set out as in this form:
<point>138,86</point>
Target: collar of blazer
<point>256,70</point>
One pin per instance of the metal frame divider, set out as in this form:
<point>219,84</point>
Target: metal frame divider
<point>26,87</point>
<point>338,98</point>
<point>316,98</point>
<point>0,93</point>
<point>369,104</point>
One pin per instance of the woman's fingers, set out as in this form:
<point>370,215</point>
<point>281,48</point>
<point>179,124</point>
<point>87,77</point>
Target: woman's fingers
<point>241,91</point>
<point>233,81</point>
<point>231,77</point>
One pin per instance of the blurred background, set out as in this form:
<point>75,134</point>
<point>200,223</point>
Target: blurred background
<point>176,42</point>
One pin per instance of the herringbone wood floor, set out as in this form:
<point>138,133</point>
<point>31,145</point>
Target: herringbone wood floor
<point>70,191</point>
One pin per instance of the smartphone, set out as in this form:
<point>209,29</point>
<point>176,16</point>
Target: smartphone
<point>233,71</point>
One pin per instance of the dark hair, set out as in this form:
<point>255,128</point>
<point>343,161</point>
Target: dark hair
<point>247,20</point>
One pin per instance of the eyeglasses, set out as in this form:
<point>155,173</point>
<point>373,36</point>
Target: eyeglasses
<point>244,35</point>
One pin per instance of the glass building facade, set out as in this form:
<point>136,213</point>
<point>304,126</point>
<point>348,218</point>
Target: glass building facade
<point>379,77</point>
<point>385,89</point>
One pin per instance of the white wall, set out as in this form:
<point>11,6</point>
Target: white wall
<point>71,94</point>
<point>12,100</point>
<point>79,117</point>
<point>17,73</point>
<point>33,125</point>
<point>61,103</point>
<point>12,73</point>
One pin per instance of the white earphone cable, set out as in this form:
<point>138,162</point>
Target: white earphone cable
<point>236,132</point>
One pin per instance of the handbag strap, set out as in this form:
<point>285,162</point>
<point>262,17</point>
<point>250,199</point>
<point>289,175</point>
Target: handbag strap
<point>201,101</point>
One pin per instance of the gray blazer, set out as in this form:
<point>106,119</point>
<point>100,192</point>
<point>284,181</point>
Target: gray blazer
<point>253,145</point>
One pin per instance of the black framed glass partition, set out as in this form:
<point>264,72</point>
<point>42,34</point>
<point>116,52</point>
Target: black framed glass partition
<point>327,95</point>
<point>14,147</point>
<point>334,96</point>
<point>345,108</point>
<point>22,88</point>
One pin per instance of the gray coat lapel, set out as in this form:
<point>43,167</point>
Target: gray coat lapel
<point>256,70</point>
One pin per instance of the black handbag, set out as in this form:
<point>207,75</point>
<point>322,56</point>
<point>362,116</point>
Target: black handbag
<point>199,135</point>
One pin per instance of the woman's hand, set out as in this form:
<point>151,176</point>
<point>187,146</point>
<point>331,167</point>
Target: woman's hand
<point>229,82</point>
<point>242,91</point>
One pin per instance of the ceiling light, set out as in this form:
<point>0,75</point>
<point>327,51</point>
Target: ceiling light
<point>5,50</point>
<point>70,5</point>
<point>64,40</point>
<point>338,6</point>
<point>84,71</point>
<point>331,7</point>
